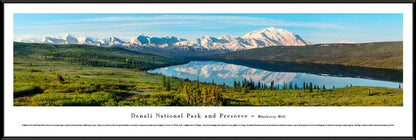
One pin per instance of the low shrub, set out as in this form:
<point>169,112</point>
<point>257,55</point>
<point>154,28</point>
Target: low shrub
<point>25,89</point>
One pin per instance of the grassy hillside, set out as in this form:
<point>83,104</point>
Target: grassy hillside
<point>387,55</point>
<point>55,83</point>
<point>48,75</point>
<point>39,85</point>
<point>92,56</point>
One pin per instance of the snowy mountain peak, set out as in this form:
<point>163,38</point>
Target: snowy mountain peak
<point>207,37</point>
<point>141,39</point>
<point>273,29</point>
<point>147,41</point>
<point>275,37</point>
<point>70,39</point>
<point>270,32</point>
<point>224,37</point>
<point>82,40</point>
<point>66,36</point>
<point>65,39</point>
<point>89,39</point>
<point>115,39</point>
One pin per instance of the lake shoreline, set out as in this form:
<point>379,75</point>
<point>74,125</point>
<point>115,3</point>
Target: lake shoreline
<point>228,73</point>
<point>393,75</point>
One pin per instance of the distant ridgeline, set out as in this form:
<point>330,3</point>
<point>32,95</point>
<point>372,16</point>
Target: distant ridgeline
<point>384,55</point>
<point>93,55</point>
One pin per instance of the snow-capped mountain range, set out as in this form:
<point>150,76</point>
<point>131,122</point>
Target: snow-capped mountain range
<point>173,46</point>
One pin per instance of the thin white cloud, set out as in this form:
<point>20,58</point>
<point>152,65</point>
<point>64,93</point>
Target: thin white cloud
<point>52,26</point>
<point>281,23</point>
<point>343,41</point>
<point>27,38</point>
<point>187,19</point>
<point>165,17</point>
<point>242,20</point>
<point>91,25</point>
<point>105,19</point>
<point>152,23</point>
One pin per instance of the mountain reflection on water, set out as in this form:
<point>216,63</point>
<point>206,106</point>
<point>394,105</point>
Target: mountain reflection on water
<point>220,72</point>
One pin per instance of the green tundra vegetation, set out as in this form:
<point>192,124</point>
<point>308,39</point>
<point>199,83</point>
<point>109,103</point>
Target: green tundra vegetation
<point>80,75</point>
<point>386,55</point>
<point>92,56</point>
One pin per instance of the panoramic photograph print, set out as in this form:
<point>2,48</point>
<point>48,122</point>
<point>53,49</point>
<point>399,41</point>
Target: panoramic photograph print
<point>207,59</point>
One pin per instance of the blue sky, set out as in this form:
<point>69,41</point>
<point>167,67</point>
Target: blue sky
<point>316,28</point>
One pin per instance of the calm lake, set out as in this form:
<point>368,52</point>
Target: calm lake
<point>281,73</point>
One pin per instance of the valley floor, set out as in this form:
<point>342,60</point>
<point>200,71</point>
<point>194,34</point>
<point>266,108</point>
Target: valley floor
<point>57,83</point>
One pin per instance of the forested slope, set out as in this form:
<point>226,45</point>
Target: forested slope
<point>93,56</point>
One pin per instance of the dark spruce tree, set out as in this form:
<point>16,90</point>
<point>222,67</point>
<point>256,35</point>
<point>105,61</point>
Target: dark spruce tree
<point>310,87</point>
<point>304,86</point>
<point>164,81</point>
<point>168,85</point>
